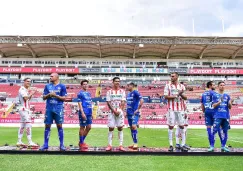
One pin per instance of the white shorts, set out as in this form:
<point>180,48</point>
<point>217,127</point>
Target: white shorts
<point>116,121</point>
<point>186,122</point>
<point>175,117</point>
<point>25,116</point>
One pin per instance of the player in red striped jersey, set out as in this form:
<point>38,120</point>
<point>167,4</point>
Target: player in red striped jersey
<point>174,93</point>
<point>25,113</point>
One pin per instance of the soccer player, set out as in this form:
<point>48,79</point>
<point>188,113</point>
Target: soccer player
<point>134,104</point>
<point>174,93</point>
<point>25,114</point>
<point>54,94</point>
<point>208,110</point>
<point>222,104</point>
<point>116,98</point>
<point>85,114</point>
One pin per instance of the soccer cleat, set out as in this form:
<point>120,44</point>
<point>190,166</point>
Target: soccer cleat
<point>187,146</point>
<point>224,149</point>
<point>43,148</point>
<point>171,149</point>
<point>33,145</point>
<point>130,146</point>
<point>108,148</point>
<point>178,146</point>
<point>211,149</point>
<point>135,146</point>
<point>121,148</point>
<point>20,144</point>
<point>62,148</point>
<point>184,148</point>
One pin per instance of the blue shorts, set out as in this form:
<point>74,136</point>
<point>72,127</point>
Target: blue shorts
<point>83,122</point>
<point>209,118</point>
<point>133,119</point>
<point>55,114</point>
<point>221,122</point>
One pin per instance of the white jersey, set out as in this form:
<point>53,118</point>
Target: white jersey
<point>23,92</point>
<point>176,104</point>
<point>116,97</point>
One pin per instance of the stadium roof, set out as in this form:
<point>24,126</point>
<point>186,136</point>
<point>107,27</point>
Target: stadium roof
<point>117,46</point>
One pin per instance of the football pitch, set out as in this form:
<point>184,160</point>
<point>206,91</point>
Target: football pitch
<point>98,137</point>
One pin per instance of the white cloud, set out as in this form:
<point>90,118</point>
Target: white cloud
<point>119,17</point>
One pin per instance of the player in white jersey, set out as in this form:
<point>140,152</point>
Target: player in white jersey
<point>116,98</point>
<point>174,93</point>
<point>25,114</point>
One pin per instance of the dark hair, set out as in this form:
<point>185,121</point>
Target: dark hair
<point>84,81</point>
<point>131,83</point>
<point>115,79</point>
<point>220,82</point>
<point>176,73</point>
<point>210,83</point>
<point>27,79</point>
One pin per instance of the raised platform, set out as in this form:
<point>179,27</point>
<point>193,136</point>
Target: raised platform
<point>101,151</point>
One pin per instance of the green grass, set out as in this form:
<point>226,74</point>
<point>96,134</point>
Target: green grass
<point>98,137</point>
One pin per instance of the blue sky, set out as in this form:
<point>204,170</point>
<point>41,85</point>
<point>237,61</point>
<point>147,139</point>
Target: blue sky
<point>121,17</point>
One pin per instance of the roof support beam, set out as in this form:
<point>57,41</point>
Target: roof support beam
<point>203,50</point>
<point>2,54</point>
<point>100,52</point>
<point>29,47</point>
<point>236,52</point>
<point>134,51</point>
<point>168,52</point>
<point>65,50</point>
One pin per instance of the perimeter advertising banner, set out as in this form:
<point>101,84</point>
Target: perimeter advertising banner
<point>216,71</point>
<point>134,70</point>
<point>45,70</point>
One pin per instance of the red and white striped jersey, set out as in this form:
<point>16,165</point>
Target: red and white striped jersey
<point>23,92</point>
<point>116,97</point>
<point>177,104</point>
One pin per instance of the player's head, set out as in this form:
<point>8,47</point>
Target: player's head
<point>221,85</point>
<point>211,85</point>
<point>130,86</point>
<point>54,77</point>
<point>27,82</point>
<point>174,77</point>
<point>84,84</point>
<point>116,82</point>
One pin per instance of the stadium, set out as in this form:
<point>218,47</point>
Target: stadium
<point>146,61</point>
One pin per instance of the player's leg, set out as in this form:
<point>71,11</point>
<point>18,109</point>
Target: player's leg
<point>181,122</point>
<point>119,121</point>
<point>221,135</point>
<point>171,123</point>
<point>83,124</point>
<point>58,117</point>
<point>209,123</point>
<point>48,122</point>
<point>88,127</point>
<point>216,126</point>
<point>134,122</point>
<point>177,136</point>
<point>111,125</point>
<point>225,128</point>
<point>20,135</point>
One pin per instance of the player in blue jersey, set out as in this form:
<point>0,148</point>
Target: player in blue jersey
<point>208,110</point>
<point>85,114</point>
<point>54,94</point>
<point>222,104</point>
<point>134,104</point>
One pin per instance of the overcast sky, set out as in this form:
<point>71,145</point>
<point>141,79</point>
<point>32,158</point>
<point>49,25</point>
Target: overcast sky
<point>121,17</point>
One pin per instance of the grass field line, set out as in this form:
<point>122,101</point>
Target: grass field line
<point>205,136</point>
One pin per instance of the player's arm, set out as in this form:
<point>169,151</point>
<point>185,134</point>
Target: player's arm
<point>81,109</point>
<point>63,94</point>
<point>230,103</point>
<point>202,105</point>
<point>46,93</point>
<point>166,93</point>
<point>110,106</point>
<point>181,93</point>
<point>141,101</point>
<point>216,102</point>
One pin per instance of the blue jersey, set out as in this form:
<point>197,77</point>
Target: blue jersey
<point>207,100</point>
<point>133,99</point>
<point>222,111</point>
<point>59,89</point>
<point>85,98</point>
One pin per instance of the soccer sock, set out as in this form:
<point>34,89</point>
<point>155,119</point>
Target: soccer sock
<point>120,135</point>
<point>134,136</point>
<point>225,138</point>
<point>170,133</point>
<point>221,135</point>
<point>28,132</point>
<point>61,135</point>
<point>183,136</point>
<point>177,135</point>
<point>185,129</point>
<point>110,136</point>
<point>47,135</point>
<point>210,136</point>
<point>21,132</point>
<point>84,137</point>
<point>81,139</point>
